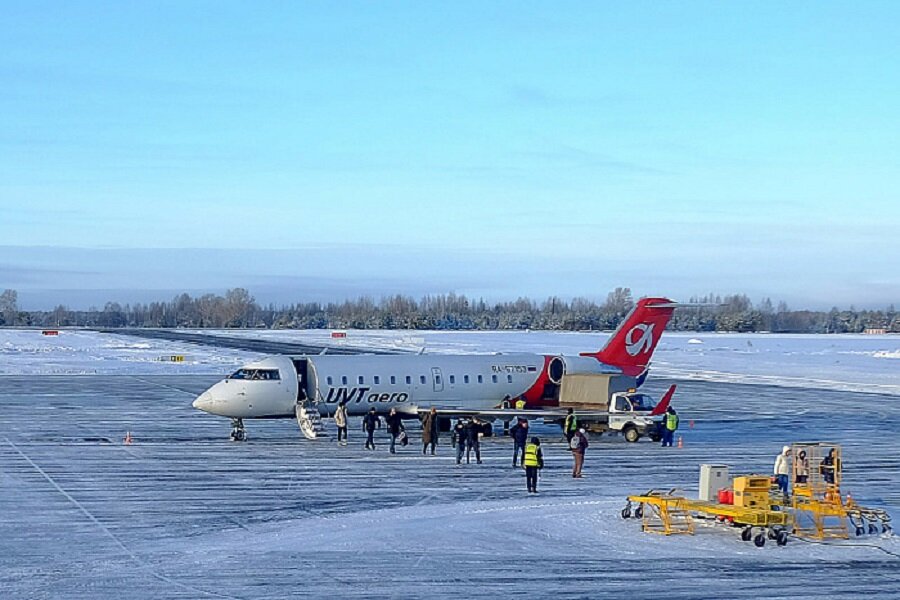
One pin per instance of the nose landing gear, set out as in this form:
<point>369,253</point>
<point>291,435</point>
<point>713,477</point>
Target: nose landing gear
<point>238,433</point>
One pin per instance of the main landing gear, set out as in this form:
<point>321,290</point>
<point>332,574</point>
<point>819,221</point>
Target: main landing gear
<point>238,433</point>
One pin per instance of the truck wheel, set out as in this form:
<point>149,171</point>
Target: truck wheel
<point>631,434</point>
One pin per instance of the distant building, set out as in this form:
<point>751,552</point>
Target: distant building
<point>875,331</point>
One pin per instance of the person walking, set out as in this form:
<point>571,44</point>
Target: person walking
<point>394,427</point>
<point>371,422</point>
<point>430,431</point>
<point>571,425</point>
<point>533,461</point>
<point>472,442</point>
<point>669,426</point>
<point>459,433</point>
<point>519,434</point>
<point>340,420</point>
<point>578,445</point>
<point>782,469</point>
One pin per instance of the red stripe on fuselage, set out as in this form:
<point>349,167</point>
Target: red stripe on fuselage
<point>534,396</point>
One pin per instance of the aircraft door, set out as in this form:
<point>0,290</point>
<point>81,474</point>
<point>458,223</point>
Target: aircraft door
<point>302,379</point>
<point>437,379</point>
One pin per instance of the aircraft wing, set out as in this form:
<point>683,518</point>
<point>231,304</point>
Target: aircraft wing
<point>512,414</point>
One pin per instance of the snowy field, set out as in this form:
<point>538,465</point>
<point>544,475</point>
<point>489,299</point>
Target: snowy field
<point>869,363</point>
<point>183,513</point>
<point>77,352</point>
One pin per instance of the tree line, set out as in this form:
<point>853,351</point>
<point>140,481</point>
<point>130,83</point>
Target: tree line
<point>238,308</point>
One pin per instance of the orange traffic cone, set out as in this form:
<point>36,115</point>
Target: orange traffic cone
<point>127,438</point>
<point>680,442</point>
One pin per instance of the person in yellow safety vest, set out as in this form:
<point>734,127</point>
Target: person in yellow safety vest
<point>520,403</point>
<point>534,460</point>
<point>669,425</point>
<point>570,426</point>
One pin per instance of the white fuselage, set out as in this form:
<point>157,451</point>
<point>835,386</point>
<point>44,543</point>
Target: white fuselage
<point>405,382</point>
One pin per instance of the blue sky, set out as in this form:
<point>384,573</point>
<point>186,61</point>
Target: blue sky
<point>319,150</point>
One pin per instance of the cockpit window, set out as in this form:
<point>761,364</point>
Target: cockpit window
<point>256,374</point>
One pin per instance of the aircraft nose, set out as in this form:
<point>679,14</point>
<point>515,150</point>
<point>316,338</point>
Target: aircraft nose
<point>203,402</point>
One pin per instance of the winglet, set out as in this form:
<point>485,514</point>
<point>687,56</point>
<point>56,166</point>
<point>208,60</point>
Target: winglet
<point>663,405</point>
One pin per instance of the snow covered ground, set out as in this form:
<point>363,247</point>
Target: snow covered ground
<point>183,513</point>
<point>77,352</point>
<point>844,362</point>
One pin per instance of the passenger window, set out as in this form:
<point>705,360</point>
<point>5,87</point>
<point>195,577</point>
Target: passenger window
<point>493,378</point>
<point>408,380</point>
<point>437,379</point>
<point>480,379</point>
<point>465,379</point>
<point>509,379</point>
<point>343,380</point>
<point>377,380</point>
<point>361,380</point>
<point>452,379</point>
<point>393,380</point>
<point>421,379</point>
<point>330,381</point>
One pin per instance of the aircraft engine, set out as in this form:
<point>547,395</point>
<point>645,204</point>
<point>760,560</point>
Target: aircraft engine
<point>576,365</point>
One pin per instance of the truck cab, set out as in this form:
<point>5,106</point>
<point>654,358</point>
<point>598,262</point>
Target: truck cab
<point>630,414</point>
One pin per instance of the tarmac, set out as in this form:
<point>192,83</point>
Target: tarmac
<point>183,513</point>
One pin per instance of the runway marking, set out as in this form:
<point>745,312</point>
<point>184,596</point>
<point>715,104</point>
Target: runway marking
<point>140,563</point>
<point>163,385</point>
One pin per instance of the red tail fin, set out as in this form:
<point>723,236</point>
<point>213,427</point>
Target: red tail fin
<point>632,344</point>
<point>663,405</point>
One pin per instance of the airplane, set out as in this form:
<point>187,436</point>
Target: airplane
<point>472,385</point>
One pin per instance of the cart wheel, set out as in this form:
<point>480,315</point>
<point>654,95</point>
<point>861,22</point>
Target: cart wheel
<point>746,534</point>
<point>782,538</point>
<point>626,512</point>
<point>639,512</point>
<point>860,531</point>
<point>760,540</point>
<point>885,528</point>
<point>872,529</point>
<point>773,533</point>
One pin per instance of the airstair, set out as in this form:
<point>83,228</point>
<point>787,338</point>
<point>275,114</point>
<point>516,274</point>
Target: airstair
<point>310,421</point>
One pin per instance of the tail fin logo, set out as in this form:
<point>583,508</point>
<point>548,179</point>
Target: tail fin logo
<point>644,343</point>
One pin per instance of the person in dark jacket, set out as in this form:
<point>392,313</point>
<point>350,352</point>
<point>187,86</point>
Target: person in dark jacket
<point>533,460</point>
<point>395,427</point>
<point>472,442</point>
<point>371,422</point>
<point>519,434</point>
<point>829,465</point>
<point>459,433</point>
<point>430,431</point>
